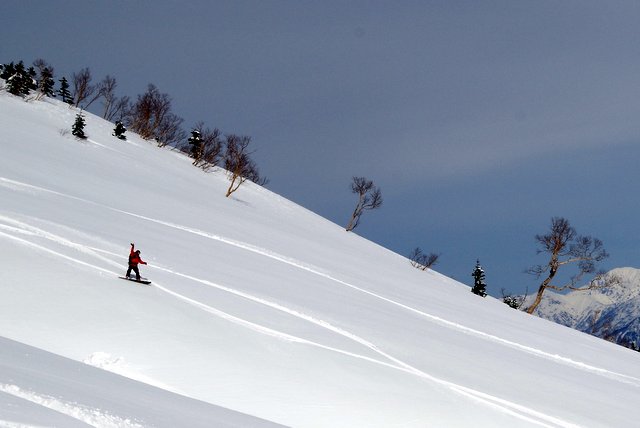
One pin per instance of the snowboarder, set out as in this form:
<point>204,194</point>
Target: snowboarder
<point>134,260</point>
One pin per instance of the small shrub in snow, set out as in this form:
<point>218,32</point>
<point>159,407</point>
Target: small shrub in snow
<point>514,302</point>
<point>422,261</point>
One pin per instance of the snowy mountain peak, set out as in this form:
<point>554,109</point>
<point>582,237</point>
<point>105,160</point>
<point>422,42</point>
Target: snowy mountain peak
<point>628,287</point>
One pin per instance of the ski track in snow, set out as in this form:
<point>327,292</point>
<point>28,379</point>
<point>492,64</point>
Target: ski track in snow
<point>12,225</point>
<point>455,326</point>
<point>90,416</point>
<point>13,185</point>
<point>506,406</point>
<point>300,265</point>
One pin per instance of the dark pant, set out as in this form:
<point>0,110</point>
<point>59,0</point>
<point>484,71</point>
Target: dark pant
<point>135,269</point>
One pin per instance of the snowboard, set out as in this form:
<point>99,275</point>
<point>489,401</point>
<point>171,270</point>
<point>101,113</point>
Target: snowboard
<point>142,280</point>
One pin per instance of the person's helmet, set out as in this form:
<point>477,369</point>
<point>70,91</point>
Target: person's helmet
<point>138,252</point>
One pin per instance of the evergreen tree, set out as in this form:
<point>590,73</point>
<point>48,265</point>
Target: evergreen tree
<point>119,131</point>
<point>479,287</point>
<point>10,73</point>
<point>47,83</point>
<point>64,91</point>
<point>195,141</point>
<point>6,72</point>
<point>78,127</point>
<point>30,83</point>
<point>18,80</point>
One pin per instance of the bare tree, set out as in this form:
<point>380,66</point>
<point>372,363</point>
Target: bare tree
<point>120,109</point>
<point>421,260</point>
<point>255,177</point>
<point>83,90</point>
<point>149,110</point>
<point>141,116</point>
<point>151,117</point>
<point>369,198</point>
<point>108,90</point>
<point>238,163</point>
<point>212,147</point>
<point>565,247</point>
<point>170,131</point>
<point>40,64</point>
<point>114,107</point>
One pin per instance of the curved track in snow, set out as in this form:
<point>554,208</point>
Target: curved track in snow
<point>21,232</point>
<point>517,410</point>
<point>316,271</point>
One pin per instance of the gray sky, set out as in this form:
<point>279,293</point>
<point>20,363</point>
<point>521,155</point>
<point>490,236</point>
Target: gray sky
<point>480,120</point>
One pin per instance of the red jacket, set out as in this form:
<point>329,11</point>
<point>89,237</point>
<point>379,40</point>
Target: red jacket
<point>134,257</point>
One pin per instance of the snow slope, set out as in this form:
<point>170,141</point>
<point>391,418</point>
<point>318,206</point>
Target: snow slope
<point>258,306</point>
<point>43,389</point>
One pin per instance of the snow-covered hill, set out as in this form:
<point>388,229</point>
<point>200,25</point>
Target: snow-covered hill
<point>258,308</point>
<point>611,313</point>
<point>42,389</point>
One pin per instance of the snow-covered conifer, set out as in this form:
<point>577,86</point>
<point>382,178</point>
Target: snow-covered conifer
<point>479,287</point>
<point>195,141</point>
<point>19,81</point>
<point>47,83</point>
<point>64,91</point>
<point>78,127</point>
<point>119,131</point>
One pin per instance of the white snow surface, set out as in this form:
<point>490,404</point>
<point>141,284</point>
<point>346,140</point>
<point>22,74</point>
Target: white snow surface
<point>260,312</point>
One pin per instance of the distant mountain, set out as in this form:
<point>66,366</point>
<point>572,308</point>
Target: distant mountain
<point>611,313</point>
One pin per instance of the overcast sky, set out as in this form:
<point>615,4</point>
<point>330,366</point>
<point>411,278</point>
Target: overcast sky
<point>479,120</point>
